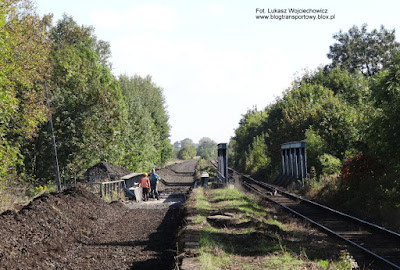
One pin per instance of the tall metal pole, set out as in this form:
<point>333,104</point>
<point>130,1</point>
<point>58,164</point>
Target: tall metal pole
<point>53,143</point>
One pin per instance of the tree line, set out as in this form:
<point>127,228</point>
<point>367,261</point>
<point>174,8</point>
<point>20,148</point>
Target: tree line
<point>347,112</point>
<point>187,149</point>
<point>62,73</point>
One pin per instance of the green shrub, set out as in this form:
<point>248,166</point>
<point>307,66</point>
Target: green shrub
<point>330,164</point>
<point>187,152</point>
<point>258,160</point>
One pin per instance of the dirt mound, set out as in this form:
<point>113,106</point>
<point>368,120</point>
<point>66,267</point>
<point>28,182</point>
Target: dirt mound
<point>105,171</point>
<point>77,230</point>
<point>39,234</point>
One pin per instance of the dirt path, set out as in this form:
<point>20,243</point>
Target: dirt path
<point>77,230</point>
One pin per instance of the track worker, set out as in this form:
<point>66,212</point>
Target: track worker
<point>144,183</point>
<point>153,183</point>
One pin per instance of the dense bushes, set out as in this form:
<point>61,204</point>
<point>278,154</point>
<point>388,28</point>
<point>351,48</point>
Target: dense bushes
<point>359,168</point>
<point>305,112</point>
<point>330,164</point>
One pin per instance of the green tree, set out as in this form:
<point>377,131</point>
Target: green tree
<point>330,164</point>
<point>249,127</point>
<point>86,104</point>
<point>316,147</point>
<point>384,131</point>
<point>93,118</point>
<point>187,141</point>
<point>146,142</point>
<point>304,107</point>
<point>24,65</point>
<point>336,123</point>
<point>187,152</point>
<point>207,148</point>
<point>258,159</point>
<point>360,51</point>
<point>351,88</point>
<point>350,102</point>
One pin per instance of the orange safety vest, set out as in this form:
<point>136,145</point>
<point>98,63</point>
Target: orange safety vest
<point>144,182</point>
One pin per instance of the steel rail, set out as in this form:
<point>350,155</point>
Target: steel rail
<point>324,207</point>
<point>273,188</point>
<point>324,228</point>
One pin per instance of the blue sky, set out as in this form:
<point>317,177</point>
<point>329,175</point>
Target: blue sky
<point>214,59</point>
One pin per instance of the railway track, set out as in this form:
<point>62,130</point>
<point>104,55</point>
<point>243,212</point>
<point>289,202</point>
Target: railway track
<point>380,245</point>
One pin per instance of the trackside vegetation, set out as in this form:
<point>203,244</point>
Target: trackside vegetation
<point>256,238</point>
<point>60,71</point>
<point>348,113</point>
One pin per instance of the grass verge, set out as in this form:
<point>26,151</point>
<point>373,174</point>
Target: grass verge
<point>253,238</point>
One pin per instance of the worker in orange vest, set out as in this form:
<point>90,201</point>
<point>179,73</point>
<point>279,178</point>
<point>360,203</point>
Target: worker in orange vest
<point>144,183</point>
